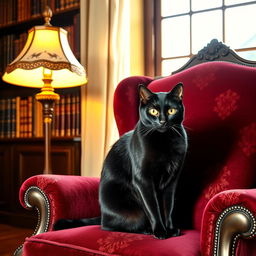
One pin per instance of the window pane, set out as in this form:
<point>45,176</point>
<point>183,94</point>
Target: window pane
<point>240,32</point>
<point>248,55</point>
<point>205,4</point>
<point>175,36</point>
<point>168,66</point>
<point>229,2</point>
<point>205,27</point>
<point>172,7</point>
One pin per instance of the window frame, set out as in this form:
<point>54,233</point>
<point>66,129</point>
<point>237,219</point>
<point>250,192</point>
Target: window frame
<point>152,28</point>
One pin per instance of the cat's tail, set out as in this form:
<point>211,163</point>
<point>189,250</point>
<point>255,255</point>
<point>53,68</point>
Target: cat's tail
<point>66,223</point>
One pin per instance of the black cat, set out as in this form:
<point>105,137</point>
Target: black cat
<point>141,171</point>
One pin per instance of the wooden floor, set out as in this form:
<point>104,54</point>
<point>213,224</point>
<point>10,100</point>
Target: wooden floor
<point>11,238</point>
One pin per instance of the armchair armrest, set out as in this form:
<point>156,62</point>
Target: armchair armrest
<point>60,196</point>
<point>228,216</point>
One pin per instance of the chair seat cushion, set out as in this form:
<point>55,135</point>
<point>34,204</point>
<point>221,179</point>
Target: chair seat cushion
<point>91,241</point>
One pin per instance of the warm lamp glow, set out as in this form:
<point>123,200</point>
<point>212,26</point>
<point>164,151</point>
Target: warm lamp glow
<point>46,62</point>
<point>46,48</point>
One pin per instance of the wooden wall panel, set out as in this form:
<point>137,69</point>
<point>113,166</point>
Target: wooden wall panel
<point>20,160</point>
<point>5,177</point>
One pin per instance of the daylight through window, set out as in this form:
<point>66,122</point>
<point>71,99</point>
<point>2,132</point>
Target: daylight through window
<point>186,26</point>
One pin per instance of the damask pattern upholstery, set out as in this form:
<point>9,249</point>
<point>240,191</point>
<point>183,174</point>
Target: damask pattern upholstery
<point>92,241</point>
<point>219,171</point>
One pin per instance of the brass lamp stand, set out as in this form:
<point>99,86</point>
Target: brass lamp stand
<point>47,97</point>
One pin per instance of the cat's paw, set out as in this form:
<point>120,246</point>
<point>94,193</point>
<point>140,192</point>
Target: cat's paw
<point>172,232</point>
<point>160,234</point>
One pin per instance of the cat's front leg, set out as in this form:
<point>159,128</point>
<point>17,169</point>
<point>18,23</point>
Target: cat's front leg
<point>147,193</point>
<point>168,199</point>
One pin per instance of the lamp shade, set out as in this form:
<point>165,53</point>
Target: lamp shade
<point>46,50</point>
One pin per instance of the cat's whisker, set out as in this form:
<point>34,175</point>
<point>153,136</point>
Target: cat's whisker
<point>150,131</point>
<point>147,132</point>
<point>187,128</point>
<point>174,129</point>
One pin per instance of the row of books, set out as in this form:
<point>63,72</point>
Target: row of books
<point>12,44</point>
<point>74,35</point>
<point>23,117</point>
<point>12,11</point>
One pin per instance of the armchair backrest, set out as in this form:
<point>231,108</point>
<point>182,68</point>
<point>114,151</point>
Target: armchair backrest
<point>220,119</point>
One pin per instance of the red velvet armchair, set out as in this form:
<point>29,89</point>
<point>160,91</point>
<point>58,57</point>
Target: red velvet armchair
<point>216,199</point>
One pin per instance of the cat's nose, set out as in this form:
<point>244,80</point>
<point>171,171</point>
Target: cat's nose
<point>162,121</point>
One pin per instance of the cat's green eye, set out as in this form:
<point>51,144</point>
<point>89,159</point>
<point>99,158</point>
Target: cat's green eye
<point>153,112</point>
<point>172,111</point>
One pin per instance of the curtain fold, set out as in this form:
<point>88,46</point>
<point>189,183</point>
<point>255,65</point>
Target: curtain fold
<point>105,53</point>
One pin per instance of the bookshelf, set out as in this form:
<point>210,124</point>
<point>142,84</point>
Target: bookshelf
<point>21,116</point>
<point>21,126</point>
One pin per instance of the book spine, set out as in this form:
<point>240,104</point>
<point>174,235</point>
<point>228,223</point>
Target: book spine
<point>26,117</point>
<point>28,9</point>
<point>77,115</point>
<point>2,102</point>
<point>29,116</point>
<point>17,116</point>
<point>73,115</point>
<point>19,10</point>
<point>4,52</point>
<point>14,3</point>
<point>13,117</point>
<point>34,116</point>
<point>77,35</point>
<point>62,4</point>
<point>21,117</point>
<point>2,9</point>
<point>68,115</point>
<point>33,8</point>
<point>53,124</point>
<point>8,118</point>
<point>38,119</point>
<point>4,118</point>
<point>52,5</point>
<point>68,4</point>
<point>57,5</point>
<point>8,4</point>
<point>57,119</point>
<point>62,116</point>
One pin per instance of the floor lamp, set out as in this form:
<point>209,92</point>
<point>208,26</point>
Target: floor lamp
<point>46,62</point>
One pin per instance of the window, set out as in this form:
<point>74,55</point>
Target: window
<point>183,27</point>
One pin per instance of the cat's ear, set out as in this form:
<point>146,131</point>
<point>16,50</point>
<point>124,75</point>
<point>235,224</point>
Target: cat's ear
<point>144,93</point>
<point>177,91</point>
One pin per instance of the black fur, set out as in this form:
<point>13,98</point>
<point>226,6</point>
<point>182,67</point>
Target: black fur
<point>141,171</point>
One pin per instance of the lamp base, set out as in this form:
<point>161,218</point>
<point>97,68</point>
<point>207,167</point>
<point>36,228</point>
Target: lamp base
<point>47,99</point>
